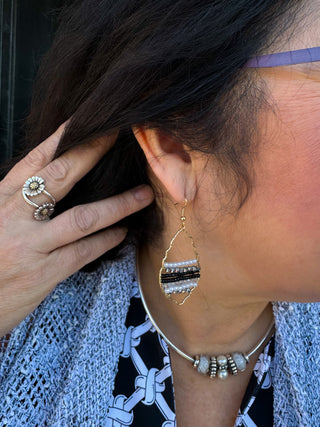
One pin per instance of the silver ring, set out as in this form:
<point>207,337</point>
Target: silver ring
<point>33,187</point>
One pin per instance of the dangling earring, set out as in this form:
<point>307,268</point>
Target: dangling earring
<point>179,279</point>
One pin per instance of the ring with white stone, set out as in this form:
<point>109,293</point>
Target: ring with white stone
<point>33,187</point>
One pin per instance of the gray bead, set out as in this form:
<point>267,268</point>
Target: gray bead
<point>203,366</point>
<point>240,361</point>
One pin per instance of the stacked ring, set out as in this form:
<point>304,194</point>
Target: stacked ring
<point>33,187</point>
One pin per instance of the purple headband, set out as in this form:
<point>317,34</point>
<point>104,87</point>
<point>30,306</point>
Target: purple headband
<point>285,58</point>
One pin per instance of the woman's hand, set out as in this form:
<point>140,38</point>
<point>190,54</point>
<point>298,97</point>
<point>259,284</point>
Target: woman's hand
<point>36,255</point>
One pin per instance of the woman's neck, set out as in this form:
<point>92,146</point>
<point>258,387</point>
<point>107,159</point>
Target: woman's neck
<point>212,320</point>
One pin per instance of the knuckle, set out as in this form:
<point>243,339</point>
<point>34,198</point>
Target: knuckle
<point>84,218</point>
<point>82,250</point>
<point>37,158</point>
<point>58,169</point>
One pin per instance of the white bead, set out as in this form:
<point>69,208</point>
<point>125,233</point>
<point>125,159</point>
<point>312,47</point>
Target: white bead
<point>203,366</point>
<point>223,374</point>
<point>240,361</point>
<point>222,360</point>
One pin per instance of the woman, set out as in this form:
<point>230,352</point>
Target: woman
<point>162,93</point>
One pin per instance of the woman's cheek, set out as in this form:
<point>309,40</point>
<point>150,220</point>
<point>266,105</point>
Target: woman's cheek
<point>278,233</point>
<point>288,165</point>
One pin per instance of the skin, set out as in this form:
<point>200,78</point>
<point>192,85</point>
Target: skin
<point>268,251</point>
<point>30,251</point>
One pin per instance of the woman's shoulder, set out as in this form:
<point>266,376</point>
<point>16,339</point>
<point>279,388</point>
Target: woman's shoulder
<point>297,326</point>
<point>76,332</point>
<point>297,349</point>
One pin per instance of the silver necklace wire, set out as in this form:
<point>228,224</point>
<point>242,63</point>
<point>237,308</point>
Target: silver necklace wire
<point>208,362</point>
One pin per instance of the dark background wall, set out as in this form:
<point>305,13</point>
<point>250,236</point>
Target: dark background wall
<point>26,31</point>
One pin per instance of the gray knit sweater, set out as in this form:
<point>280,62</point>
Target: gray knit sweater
<point>60,364</point>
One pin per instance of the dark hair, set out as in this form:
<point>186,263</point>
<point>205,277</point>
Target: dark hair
<point>172,65</point>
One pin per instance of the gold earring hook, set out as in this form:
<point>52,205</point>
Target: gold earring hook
<point>183,216</point>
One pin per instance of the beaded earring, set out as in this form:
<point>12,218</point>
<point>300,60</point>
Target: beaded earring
<point>178,279</point>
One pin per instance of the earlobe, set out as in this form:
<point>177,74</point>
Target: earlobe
<point>170,161</point>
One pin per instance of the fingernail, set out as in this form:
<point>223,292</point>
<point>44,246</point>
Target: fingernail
<point>143,192</point>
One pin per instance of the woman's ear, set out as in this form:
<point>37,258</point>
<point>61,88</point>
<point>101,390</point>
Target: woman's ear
<point>171,162</point>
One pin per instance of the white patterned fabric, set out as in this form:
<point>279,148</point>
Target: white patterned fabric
<point>60,363</point>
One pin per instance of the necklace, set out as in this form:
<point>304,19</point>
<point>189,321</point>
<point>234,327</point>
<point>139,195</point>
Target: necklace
<point>214,366</point>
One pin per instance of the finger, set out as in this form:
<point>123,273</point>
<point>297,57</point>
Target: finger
<point>34,161</point>
<point>63,173</point>
<point>86,219</point>
<point>76,255</point>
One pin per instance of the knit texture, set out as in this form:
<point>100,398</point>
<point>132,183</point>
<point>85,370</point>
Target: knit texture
<point>297,365</point>
<point>60,363</point>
